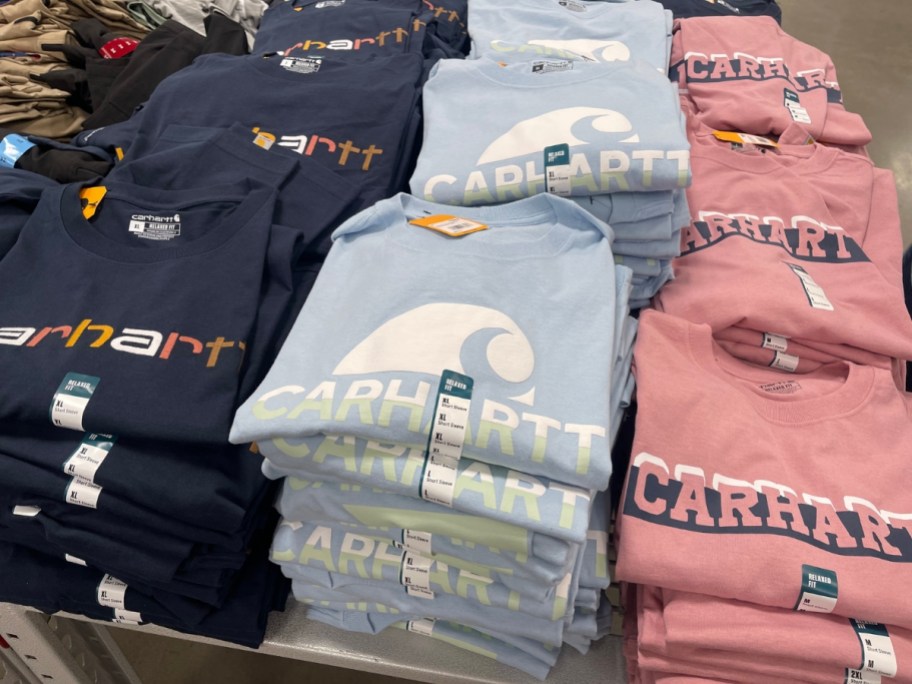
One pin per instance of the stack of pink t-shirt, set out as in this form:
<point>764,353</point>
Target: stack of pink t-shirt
<point>784,491</point>
<point>794,251</point>
<point>746,74</point>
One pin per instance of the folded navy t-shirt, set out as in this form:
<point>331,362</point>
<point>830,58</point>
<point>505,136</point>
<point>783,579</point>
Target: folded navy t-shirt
<point>358,120</point>
<point>134,322</point>
<point>206,486</point>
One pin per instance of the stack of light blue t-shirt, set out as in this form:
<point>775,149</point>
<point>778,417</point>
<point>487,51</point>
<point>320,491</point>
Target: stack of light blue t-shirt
<point>588,75</point>
<point>508,299</point>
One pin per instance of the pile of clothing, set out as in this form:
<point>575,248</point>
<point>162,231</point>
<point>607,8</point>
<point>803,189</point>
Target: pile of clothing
<point>762,524</point>
<point>591,117</point>
<point>158,298</point>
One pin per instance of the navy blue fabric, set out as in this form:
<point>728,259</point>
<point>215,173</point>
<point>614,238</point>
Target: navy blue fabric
<point>312,201</point>
<point>20,191</point>
<point>25,483</point>
<point>683,9</point>
<point>203,286</point>
<point>353,29</point>
<point>358,120</point>
<point>258,589</point>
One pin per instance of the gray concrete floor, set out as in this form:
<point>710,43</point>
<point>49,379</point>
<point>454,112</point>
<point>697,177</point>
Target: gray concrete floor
<point>868,41</point>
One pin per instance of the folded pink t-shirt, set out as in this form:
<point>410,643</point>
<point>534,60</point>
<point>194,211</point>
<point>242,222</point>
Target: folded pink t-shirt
<point>752,484</point>
<point>746,74</point>
<point>804,242</point>
<point>696,621</point>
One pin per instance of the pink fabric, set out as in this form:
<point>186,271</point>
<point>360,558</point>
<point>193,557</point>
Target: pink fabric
<point>757,216</point>
<point>658,653</point>
<point>736,70</point>
<point>719,443</point>
<point>694,621</point>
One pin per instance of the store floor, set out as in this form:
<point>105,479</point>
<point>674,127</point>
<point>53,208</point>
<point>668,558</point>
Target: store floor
<point>868,42</point>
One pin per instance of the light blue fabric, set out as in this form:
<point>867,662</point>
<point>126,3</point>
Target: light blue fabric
<point>641,266</point>
<point>543,557</point>
<point>501,305</point>
<point>594,566</point>
<point>634,209</point>
<point>448,585</point>
<point>665,250</point>
<point>591,31</point>
<point>484,490</point>
<point>486,128</point>
<point>442,607</point>
<point>341,549</point>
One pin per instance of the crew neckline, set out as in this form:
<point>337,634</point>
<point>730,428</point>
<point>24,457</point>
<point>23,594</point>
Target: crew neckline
<point>85,234</point>
<point>813,159</point>
<point>552,215</point>
<point>853,393</point>
<point>520,75</point>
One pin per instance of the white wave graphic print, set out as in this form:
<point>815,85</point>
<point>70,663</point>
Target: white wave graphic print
<point>591,50</point>
<point>430,338</point>
<point>533,135</point>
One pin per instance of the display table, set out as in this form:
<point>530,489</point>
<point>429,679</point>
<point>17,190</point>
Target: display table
<point>82,650</point>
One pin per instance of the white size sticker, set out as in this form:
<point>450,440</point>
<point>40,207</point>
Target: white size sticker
<point>878,654</point>
<point>302,65</point>
<point>26,511</point>
<point>81,492</point>
<point>861,677</point>
<point>72,559</point>
<point>775,342</point>
<point>816,296</point>
<point>572,5</point>
<point>111,592</point>
<point>546,66</point>
<point>417,541</point>
<point>71,399</point>
<point>446,439</point>
<point>127,617</point>
<point>819,590</point>
<point>415,575</point>
<point>85,461</point>
<point>784,362</point>
<point>424,626</point>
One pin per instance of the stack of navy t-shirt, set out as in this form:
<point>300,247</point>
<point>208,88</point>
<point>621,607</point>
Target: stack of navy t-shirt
<point>592,116</point>
<point>464,340</point>
<point>155,303</point>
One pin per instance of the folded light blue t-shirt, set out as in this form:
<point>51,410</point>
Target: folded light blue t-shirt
<point>581,29</point>
<point>442,607</point>
<point>341,549</point>
<point>487,127</point>
<point>446,583</point>
<point>530,502</point>
<point>500,305</point>
<point>338,502</point>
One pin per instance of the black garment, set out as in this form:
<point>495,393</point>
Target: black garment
<point>907,290</point>
<point>165,51</point>
<point>683,9</point>
<point>91,74</point>
<point>61,162</point>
